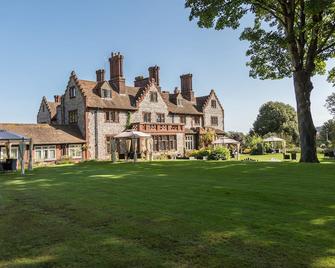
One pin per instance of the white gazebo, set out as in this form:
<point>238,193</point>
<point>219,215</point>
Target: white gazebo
<point>228,141</point>
<point>8,138</point>
<point>273,140</point>
<point>134,136</point>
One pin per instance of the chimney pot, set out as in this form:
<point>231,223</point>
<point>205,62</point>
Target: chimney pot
<point>116,72</point>
<point>187,87</point>
<point>154,74</point>
<point>100,75</point>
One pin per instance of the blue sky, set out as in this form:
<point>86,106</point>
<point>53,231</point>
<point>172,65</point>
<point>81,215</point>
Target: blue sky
<point>42,41</point>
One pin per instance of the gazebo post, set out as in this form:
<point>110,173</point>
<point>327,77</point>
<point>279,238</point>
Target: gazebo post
<point>22,151</point>
<point>30,165</point>
<point>151,149</point>
<point>113,147</point>
<point>9,149</point>
<point>135,149</point>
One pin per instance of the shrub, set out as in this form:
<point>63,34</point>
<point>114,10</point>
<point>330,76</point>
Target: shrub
<point>220,153</point>
<point>199,154</point>
<point>247,151</point>
<point>258,150</point>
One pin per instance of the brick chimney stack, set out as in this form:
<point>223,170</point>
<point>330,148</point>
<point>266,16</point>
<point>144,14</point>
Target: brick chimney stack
<point>57,98</point>
<point>116,72</point>
<point>100,75</point>
<point>154,73</point>
<point>186,87</point>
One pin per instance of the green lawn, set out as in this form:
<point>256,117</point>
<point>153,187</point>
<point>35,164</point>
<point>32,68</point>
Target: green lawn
<point>169,214</point>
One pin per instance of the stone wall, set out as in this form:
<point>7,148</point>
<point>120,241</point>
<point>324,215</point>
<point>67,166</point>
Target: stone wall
<point>43,116</point>
<point>153,107</point>
<point>209,111</point>
<point>76,103</point>
<point>98,127</point>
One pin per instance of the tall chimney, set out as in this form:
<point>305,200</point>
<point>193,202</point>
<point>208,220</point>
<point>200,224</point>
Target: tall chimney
<point>57,98</point>
<point>116,73</point>
<point>100,75</point>
<point>154,73</point>
<point>186,87</point>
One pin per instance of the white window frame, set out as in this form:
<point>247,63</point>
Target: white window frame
<point>45,153</point>
<point>189,142</point>
<point>75,151</point>
<point>14,153</point>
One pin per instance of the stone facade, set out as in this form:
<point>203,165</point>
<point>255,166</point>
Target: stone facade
<point>76,103</point>
<point>210,112</point>
<point>44,116</point>
<point>85,104</point>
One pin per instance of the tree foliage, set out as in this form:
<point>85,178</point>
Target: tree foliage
<point>279,118</point>
<point>286,35</point>
<point>327,133</point>
<point>287,38</point>
<point>330,104</point>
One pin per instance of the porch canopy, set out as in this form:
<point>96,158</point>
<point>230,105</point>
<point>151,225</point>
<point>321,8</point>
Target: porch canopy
<point>273,140</point>
<point>134,136</point>
<point>228,141</point>
<point>7,138</point>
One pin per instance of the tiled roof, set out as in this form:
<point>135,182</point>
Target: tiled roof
<point>46,134</point>
<point>133,97</point>
<point>186,108</point>
<point>52,106</point>
<point>93,100</point>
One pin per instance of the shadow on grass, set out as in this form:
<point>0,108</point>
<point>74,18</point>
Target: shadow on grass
<point>178,213</point>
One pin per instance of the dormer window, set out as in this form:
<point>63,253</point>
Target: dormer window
<point>213,104</point>
<point>72,92</point>
<point>179,102</point>
<point>153,97</point>
<point>106,93</point>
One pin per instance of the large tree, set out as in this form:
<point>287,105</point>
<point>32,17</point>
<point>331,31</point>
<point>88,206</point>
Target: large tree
<point>288,38</point>
<point>277,117</point>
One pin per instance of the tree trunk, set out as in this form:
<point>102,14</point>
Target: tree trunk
<point>303,87</point>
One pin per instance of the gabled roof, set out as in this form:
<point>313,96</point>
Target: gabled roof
<point>46,134</point>
<point>51,106</point>
<point>93,100</point>
<point>203,101</point>
<point>187,107</point>
<point>134,96</point>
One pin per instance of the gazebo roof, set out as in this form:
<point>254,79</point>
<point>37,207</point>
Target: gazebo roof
<point>273,139</point>
<point>10,136</point>
<point>226,140</point>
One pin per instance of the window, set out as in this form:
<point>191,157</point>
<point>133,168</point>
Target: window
<point>146,117</point>
<point>160,118</point>
<point>189,142</point>
<point>73,117</point>
<point>153,97</point>
<point>14,153</point>
<point>109,140</point>
<point>182,119</point>
<point>172,118</point>
<point>196,120</point>
<point>43,108</point>
<point>179,102</point>
<point>106,93</point>
<point>45,153</point>
<point>112,116</point>
<point>75,151</point>
<point>214,120</point>
<point>72,92</point>
<point>165,143</point>
<point>213,104</point>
